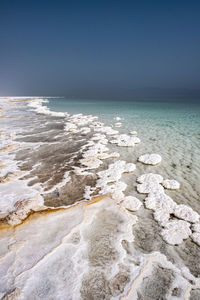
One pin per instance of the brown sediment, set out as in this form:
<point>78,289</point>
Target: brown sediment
<point>96,199</point>
<point>9,176</point>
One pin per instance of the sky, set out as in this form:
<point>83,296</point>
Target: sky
<point>100,48</point>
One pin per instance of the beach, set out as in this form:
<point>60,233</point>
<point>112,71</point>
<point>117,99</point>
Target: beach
<point>98,201</point>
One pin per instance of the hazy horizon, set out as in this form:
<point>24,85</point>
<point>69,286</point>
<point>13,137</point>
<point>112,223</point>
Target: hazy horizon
<point>100,50</point>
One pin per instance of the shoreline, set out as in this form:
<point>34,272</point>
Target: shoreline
<point>82,163</point>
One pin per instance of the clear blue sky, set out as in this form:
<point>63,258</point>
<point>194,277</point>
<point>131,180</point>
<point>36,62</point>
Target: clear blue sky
<point>98,48</point>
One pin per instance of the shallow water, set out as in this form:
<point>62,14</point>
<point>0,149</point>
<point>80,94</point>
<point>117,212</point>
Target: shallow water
<point>171,129</point>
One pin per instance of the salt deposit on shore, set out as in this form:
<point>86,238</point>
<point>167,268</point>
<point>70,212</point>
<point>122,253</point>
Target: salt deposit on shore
<point>77,202</point>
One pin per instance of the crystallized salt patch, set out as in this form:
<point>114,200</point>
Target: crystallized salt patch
<point>150,159</point>
<point>118,124</point>
<point>196,227</point>
<point>107,130</point>
<point>161,216</point>
<point>132,203</point>
<point>123,140</point>
<point>196,238</point>
<point>160,201</point>
<point>186,213</point>
<point>91,162</point>
<point>133,132</point>
<point>171,184</point>
<point>114,172</point>
<point>118,118</point>
<point>129,167</point>
<point>149,187</point>
<point>116,190</point>
<point>150,177</point>
<point>176,231</point>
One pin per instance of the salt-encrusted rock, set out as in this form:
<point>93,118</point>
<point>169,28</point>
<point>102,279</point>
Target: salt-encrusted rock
<point>186,213</point>
<point>196,227</point>
<point>150,177</point>
<point>118,118</point>
<point>160,201</point>
<point>131,203</point>
<point>161,216</point>
<point>150,159</point>
<point>176,231</point>
<point>171,184</point>
<point>196,238</point>
<point>149,187</point>
<point>133,132</point>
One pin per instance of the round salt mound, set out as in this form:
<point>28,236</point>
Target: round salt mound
<point>150,177</point>
<point>150,159</point>
<point>132,203</point>
<point>171,184</point>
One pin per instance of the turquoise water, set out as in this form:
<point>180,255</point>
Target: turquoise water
<point>171,129</point>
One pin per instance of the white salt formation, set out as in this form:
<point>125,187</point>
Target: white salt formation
<point>160,201</point>
<point>41,109</point>
<point>196,227</point>
<point>196,237</point>
<point>114,172</point>
<point>150,187</point>
<point>113,175</point>
<point>150,177</point>
<point>124,140</point>
<point>132,203</point>
<point>176,231</point>
<point>118,124</point>
<point>90,245</point>
<point>106,129</point>
<point>171,184</point>
<point>186,213</point>
<point>150,159</point>
<point>133,132</point>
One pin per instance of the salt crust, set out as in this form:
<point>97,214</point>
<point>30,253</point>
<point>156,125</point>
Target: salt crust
<point>150,159</point>
<point>117,118</point>
<point>171,184</point>
<point>114,172</point>
<point>149,187</point>
<point>107,130</point>
<point>96,152</point>
<point>150,177</point>
<point>132,203</point>
<point>118,124</point>
<point>196,227</point>
<point>196,237</point>
<point>160,201</point>
<point>39,108</point>
<point>115,190</point>
<point>133,132</point>
<point>176,231</point>
<point>186,213</point>
<point>124,140</point>
<point>112,175</point>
